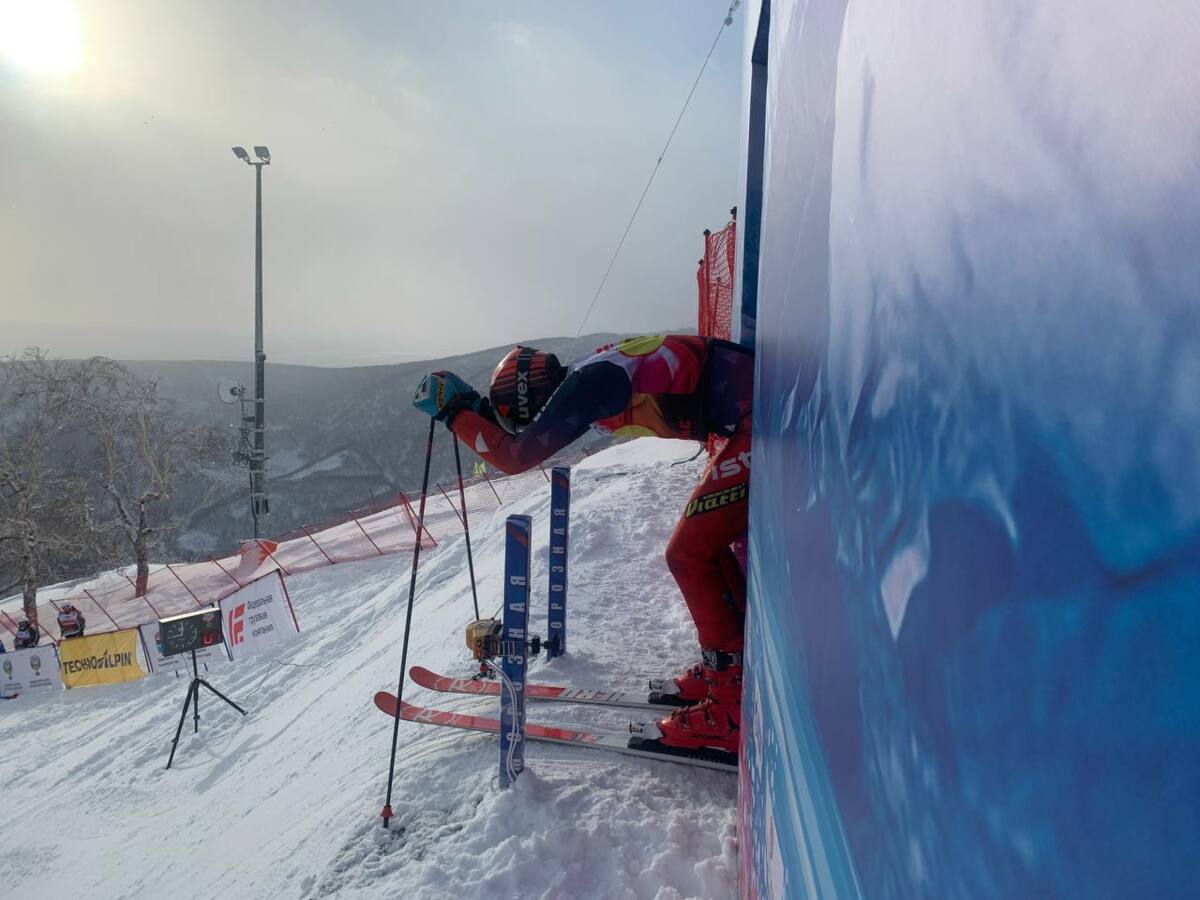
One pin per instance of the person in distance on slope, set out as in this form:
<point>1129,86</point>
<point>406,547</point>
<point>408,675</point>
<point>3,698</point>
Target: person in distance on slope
<point>675,386</point>
<point>27,635</point>
<point>70,622</point>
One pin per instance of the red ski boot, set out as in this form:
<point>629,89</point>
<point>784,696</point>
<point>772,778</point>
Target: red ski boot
<point>716,722</point>
<point>684,690</point>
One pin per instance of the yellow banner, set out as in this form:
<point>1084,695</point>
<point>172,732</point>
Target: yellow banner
<point>100,659</point>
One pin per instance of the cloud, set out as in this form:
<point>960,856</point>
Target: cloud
<point>515,33</point>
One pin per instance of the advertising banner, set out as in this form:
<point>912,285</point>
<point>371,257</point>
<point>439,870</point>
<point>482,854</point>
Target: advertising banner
<point>560,514</point>
<point>101,659</point>
<point>258,617</point>
<point>517,531</point>
<point>182,662</point>
<point>25,671</point>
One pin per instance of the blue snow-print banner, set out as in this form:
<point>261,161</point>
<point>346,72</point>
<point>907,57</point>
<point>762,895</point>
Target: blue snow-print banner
<point>973,654</point>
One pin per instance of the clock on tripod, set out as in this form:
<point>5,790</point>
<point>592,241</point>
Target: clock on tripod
<point>188,633</point>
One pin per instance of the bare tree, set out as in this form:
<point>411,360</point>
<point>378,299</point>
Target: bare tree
<point>141,449</point>
<point>42,499</point>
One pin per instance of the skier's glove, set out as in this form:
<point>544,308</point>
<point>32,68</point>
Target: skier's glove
<point>442,394</point>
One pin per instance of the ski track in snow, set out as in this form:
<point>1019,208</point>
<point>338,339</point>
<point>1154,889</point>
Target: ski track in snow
<point>286,801</point>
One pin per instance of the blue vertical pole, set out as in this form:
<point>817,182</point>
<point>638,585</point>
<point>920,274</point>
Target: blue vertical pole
<point>560,514</point>
<point>518,530</point>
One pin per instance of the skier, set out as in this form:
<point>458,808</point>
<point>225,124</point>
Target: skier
<point>675,386</point>
<point>70,622</point>
<point>27,635</point>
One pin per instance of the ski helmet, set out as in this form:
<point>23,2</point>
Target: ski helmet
<point>24,623</point>
<point>522,384</point>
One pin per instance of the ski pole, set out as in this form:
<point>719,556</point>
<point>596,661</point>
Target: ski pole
<point>412,591</point>
<point>462,496</point>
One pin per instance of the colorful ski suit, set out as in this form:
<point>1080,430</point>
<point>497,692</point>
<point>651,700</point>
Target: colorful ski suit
<point>674,386</point>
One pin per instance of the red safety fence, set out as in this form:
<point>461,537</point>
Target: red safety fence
<point>378,530</point>
<point>714,281</point>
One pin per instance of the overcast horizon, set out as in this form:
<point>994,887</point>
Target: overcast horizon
<point>583,348</point>
<point>444,177</point>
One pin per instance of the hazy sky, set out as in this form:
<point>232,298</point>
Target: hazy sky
<point>445,176</point>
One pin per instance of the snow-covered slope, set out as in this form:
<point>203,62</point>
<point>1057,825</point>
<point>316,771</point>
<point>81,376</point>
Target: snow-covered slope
<point>286,801</point>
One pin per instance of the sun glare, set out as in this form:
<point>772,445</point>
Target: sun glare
<point>41,36</point>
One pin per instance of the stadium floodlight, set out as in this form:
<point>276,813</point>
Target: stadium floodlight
<point>259,503</point>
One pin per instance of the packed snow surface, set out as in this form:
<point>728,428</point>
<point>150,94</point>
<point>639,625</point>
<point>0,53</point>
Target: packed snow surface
<point>286,801</point>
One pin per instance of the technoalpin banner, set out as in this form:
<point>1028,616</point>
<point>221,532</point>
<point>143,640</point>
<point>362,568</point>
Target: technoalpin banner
<point>25,671</point>
<point>101,658</point>
<point>258,617</point>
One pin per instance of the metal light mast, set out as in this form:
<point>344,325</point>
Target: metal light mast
<point>259,504</point>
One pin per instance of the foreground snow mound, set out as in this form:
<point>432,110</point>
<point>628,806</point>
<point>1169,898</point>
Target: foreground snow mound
<point>286,801</point>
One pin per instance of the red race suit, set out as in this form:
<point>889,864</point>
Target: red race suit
<point>673,386</point>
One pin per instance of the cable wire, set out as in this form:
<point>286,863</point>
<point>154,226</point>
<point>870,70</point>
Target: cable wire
<point>727,21</point>
<point>515,733</point>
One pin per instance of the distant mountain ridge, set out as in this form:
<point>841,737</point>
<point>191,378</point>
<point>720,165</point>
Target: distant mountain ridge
<point>337,438</point>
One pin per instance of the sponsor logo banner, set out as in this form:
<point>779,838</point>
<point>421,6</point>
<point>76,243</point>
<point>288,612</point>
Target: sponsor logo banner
<point>181,662</point>
<point>25,671</point>
<point>258,617</point>
<point>101,658</point>
<point>716,500</point>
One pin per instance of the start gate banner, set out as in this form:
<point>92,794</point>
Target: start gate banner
<point>25,671</point>
<point>258,617</point>
<point>101,658</point>
<point>180,662</point>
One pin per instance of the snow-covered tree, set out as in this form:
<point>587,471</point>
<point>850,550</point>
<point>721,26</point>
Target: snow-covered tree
<point>141,448</point>
<point>42,496</point>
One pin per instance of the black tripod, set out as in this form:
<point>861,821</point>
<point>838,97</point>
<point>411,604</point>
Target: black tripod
<point>193,700</point>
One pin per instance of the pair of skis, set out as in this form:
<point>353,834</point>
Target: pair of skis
<point>629,745</point>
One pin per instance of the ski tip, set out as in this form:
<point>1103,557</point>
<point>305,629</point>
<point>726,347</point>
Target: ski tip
<point>387,703</point>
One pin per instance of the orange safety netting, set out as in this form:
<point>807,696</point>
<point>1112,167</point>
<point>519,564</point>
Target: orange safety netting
<point>714,280</point>
<point>390,527</point>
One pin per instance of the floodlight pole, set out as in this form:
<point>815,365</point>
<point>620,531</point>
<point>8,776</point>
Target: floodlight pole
<point>259,503</point>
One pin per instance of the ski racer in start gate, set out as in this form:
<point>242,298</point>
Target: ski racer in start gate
<point>675,386</point>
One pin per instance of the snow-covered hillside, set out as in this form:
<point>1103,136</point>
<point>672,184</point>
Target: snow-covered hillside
<point>339,438</point>
<point>286,801</point>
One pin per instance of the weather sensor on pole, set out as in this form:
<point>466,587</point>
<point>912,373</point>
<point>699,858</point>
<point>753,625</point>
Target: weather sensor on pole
<point>229,392</point>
